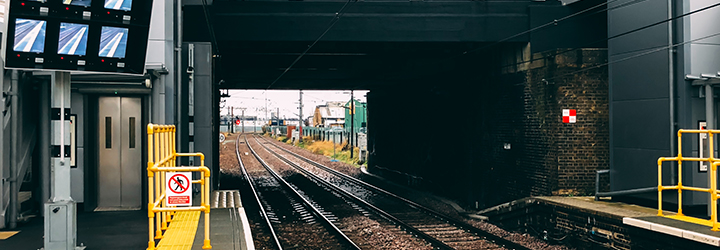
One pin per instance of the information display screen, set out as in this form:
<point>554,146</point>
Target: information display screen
<point>78,35</point>
<point>73,39</point>
<point>113,42</point>
<point>118,4</point>
<point>85,3</point>
<point>29,35</point>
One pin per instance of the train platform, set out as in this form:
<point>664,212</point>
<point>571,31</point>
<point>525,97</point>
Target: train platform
<point>111,230</point>
<point>614,224</point>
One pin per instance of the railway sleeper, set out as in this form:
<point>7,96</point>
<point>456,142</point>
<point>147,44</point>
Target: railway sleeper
<point>454,231</point>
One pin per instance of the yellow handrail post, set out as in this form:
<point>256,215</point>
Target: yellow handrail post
<point>173,151</point>
<point>151,215</point>
<point>680,188</point>
<point>679,185</point>
<point>163,174</point>
<point>162,159</point>
<point>713,198</point>
<point>713,181</point>
<point>660,187</point>
<point>156,146</point>
<point>206,244</point>
<point>170,148</point>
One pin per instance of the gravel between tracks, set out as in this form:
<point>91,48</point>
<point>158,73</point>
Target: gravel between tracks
<point>230,171</point>
<point>368,233</point>
<point>422,198</point>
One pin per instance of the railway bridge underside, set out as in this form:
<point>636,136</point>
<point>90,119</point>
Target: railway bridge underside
<point>461,101</point>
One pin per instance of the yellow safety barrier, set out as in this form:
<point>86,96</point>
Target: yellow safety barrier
<point>162,159</point>
<point>712,190</point>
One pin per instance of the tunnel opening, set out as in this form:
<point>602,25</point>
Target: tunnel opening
<point>479,129</point>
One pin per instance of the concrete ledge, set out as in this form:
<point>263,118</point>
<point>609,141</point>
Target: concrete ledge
<point>676,228</point>
<point>249,243</point>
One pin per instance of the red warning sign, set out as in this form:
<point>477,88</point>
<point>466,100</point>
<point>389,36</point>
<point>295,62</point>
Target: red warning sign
<point>177,189</point>
<point>178,200</point>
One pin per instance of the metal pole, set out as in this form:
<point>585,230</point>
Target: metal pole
<point>44,133</point>
<point>232,120</point>
<point>60,209</point>
<point>352,123</point>
<point>333,139</point>
<point>710,117</point>
<point>301,120</point>
<point>242,120</point>
<point>14,169</point>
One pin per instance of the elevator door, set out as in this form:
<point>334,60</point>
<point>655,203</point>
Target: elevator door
<point>120,158</point>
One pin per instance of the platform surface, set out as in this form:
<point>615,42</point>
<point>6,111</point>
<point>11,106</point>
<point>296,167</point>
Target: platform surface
<point>589,204</point>
<point>97,230</point>
<point>181,232</point>
<point>229,227</point>
<point>682,229</point>
<point>121,230</point>
<point>641,217</point>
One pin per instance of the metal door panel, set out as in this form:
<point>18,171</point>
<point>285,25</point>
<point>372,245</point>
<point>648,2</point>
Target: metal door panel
<point>109,169</point>
<point>131,154</point>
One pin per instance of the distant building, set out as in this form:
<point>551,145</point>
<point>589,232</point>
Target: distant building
<point>360,120</point>
<point>291,122</point>
<point>331,114</point>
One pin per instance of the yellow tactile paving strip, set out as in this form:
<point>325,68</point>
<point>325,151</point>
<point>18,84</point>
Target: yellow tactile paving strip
<point>8,234</point>
<point>181,232</point>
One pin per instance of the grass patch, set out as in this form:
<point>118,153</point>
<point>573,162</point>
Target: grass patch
<point>339,152</point>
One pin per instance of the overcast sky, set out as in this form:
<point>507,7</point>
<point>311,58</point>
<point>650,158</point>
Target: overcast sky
<point>286,100</point>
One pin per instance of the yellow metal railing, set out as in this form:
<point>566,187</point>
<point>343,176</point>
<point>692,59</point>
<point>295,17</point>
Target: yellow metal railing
<point>712,190</point>
<point>162,159</point>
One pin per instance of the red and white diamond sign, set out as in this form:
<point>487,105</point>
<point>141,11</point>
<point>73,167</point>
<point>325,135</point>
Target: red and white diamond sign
<point>569,116</point>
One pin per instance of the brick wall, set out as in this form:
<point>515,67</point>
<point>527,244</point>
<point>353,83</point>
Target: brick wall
<point>561,158</point>
<point>486,109</point>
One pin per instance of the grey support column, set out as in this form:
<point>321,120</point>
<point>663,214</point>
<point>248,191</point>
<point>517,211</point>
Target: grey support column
<point>710,121</point>
<point>60,210</point>
<point>44,135</point>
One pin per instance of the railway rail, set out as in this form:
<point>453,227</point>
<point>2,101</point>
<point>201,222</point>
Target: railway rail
<point>438,229</point>
<point>292,219</point>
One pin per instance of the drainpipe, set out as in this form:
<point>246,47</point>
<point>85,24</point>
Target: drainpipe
<point>178,71</point>
<point>14,188</point>
<point>671,83</point>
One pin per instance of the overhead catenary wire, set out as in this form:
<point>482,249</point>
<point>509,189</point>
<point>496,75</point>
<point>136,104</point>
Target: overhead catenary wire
<point>549,24</point>
<point>553,23</point>
<point>213,40</point>
<point>334,21</point>
<point>619,35</point>
<point>629,57</point>
<point>651,50</point>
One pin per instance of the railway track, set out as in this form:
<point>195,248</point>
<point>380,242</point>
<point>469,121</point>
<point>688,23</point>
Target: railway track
<point>441,231</point>
<point>291,219</point>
